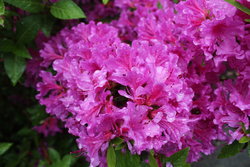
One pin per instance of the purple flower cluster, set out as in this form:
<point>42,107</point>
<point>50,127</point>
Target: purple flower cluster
<point>48,127</point>
<point>165,76</point>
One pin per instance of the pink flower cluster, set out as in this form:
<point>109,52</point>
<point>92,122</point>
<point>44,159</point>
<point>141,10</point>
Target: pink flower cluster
<point>181,80</point>
<point>48,127</point>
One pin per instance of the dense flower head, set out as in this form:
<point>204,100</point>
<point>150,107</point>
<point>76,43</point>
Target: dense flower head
<point>165,76</point>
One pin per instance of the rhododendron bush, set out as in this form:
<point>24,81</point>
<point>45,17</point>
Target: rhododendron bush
<point>135,82</point>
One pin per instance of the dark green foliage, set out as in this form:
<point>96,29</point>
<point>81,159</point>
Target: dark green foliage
<point>27,28</point>
<point>66,9</point>
<point>33,6</point>
<point>125,159</point>
<point>111,156</point>
<point>179,158</point>
<point>239,6</point>
<point>22,146</point>
<point>231,150</point>
<point>152,160</point>
<point>105,2</point>
<point>2,8</point>
<point>14,67</point>
<point>4,147</point>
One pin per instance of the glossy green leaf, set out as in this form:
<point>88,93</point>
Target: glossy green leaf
<point>244,139</point>
<point>54,155</point>
<point>21,51</point>
<point>7,45</point>
<point>47,25</point>
<point>117,141</point>
<point>230,150</point>
<point>66,161</point>
<point>66,9</point>
<point>152,160</point>
<point>14,67</point>
<point>178,159</point>
<point>10,13</point>
<point>41,163</point>
<point>239,6</point>
<point>125,159</point>
<point>2,8</point>
<point>1,22</point>
<point>111,156</point>
<point>105,2</point>
<point>25,132</point>
<point>144,164</point>
<point>120,146</point>
<point>186,165</point>
<point>4,147</point>
<point>17,159</point>
<point>32,6</point>
<point>27,28</point>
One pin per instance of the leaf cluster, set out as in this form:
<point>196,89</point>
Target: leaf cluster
<point>20,23</point>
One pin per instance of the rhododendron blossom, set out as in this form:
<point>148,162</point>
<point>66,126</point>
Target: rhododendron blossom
<point>164,78</point>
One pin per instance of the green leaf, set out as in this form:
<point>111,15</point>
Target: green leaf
<point>178,159</point>
<point>144,164</point>
<point>33,6</point>
<point>66,161</point>
<point>247,20</point>
<point>66,9</point>
<point>105,2</point>
<point>7,45</point>
<point>14,67</point>
<point>239,6</point>
<point>117,141</point>
<point>230,150</point>
<point>4,147</point>
<point>25,132</point>
<point>47,25</point>
<point>2,8</point>
<point>21,51</point>
<point>120,146</point>
<point>111,156</point>
<point>54,155</point>
<point>152,160</point>
<point>127,159</point>
<point>9,13</point>
<point>1,22</point>
<point>41,163</point>
<point>37,114</point>
<point>27,28</point>
<point>187,165</point>
<point>244,139</point>
<point>176,1</point>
